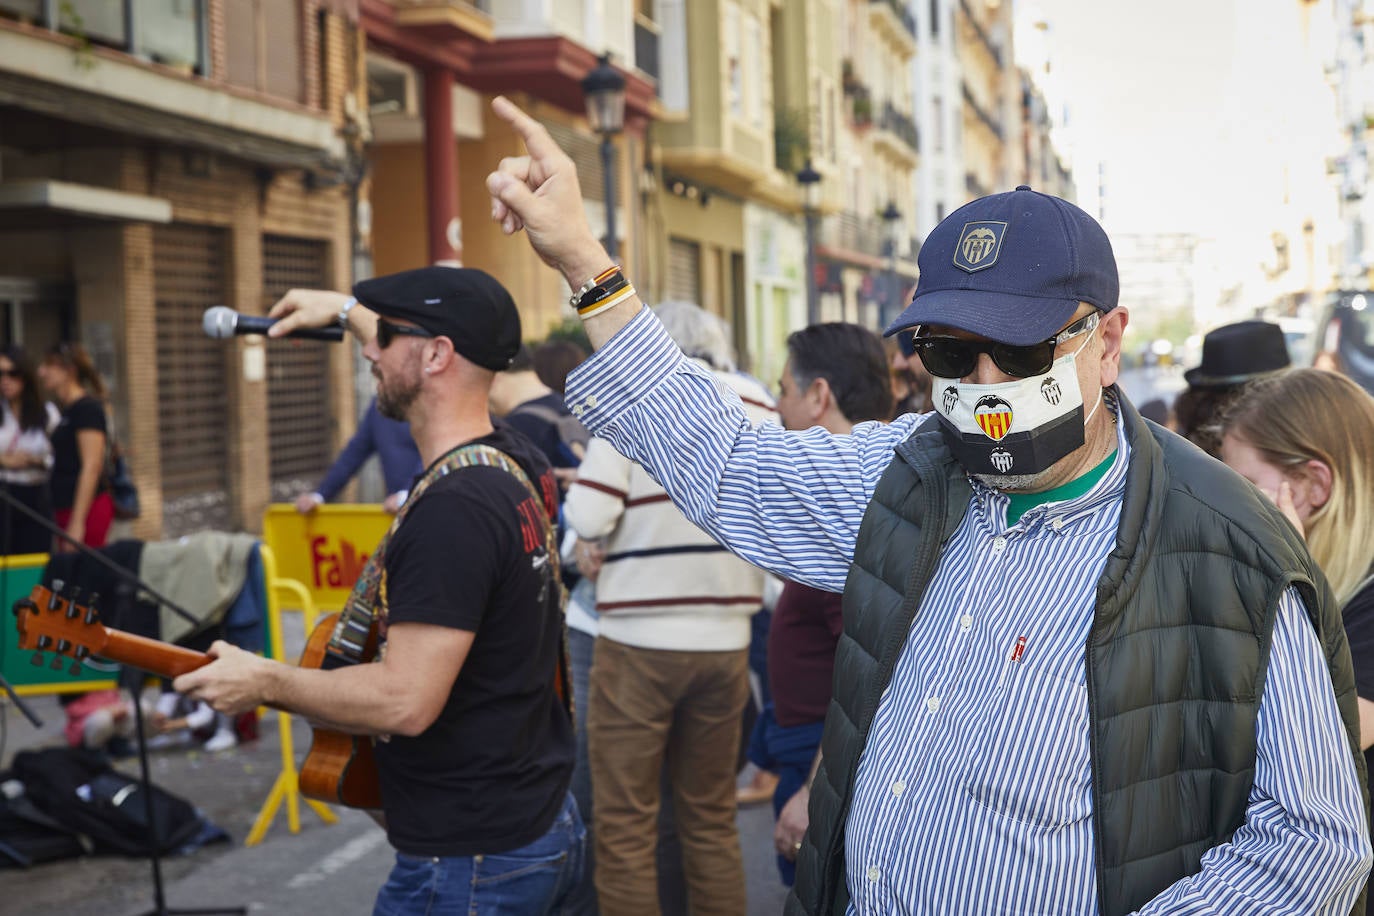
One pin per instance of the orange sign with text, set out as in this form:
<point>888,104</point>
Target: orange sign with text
<point>325,550</point>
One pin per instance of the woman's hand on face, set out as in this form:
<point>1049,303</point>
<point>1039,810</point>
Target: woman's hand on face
<point>1283,498</point>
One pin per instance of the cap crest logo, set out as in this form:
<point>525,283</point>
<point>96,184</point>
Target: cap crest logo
<point>993,416</point>
<point>980,243</point>
<point>1002,460</point>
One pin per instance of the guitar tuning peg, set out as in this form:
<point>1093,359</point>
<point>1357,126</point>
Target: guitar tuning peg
<point>94,600</point>
<point>37,660</point>
<point>75,669</point>
<point>90,617</point>
<point>57,662</point>
<point>63,646</point>
<point>81,653</point>
<point>24,604</point>
<point>44,642</point>
<point>54,600</point>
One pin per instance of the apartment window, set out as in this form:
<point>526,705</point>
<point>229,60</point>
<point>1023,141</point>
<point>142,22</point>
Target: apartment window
<point>264,41</point>
<point>754,76</point>
<point>934,18</point>
<point>734,67</point>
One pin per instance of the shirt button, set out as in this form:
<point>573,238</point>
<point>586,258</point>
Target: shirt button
<point>999,543</point>
<point>933,704</point>
<point>966,622</point>
<point>898,787</point>
<point>1057,523</point>
<point>873,873</point>
<point>591,400</point>
<point>578,409</point>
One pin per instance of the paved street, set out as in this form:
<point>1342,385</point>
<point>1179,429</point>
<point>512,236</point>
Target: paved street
<point>323,869</point>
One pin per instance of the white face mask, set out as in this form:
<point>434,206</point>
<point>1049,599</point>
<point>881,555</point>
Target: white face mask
<point>1015,428</point>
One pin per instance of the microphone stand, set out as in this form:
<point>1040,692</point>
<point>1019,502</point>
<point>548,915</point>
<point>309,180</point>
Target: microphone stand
<point>160,907</point>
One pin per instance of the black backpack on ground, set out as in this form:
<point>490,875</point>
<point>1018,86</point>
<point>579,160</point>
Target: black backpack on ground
<point>30,837</point>
<point>79,790</point>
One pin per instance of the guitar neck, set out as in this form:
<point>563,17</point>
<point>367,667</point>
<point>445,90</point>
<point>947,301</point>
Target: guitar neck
<point>160,658</point>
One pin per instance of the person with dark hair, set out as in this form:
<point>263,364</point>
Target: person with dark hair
<point>836,376</point>
<point>525,403</point>
<point>25,453</point>
<point>911,383</point>
<point>81,502</point>
<point>1232,355</point>
<point>1084,668</point>
<point>554,359</point>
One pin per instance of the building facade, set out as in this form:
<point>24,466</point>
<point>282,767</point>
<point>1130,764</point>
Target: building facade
<point>158,159</point>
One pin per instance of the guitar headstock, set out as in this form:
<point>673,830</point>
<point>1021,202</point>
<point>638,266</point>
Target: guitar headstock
<point>57,621</point>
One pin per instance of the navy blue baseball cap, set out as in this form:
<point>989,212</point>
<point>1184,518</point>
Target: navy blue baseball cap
<point>1012,267</point>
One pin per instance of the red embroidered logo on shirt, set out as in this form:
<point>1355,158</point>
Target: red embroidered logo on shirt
<point>1019,650</point>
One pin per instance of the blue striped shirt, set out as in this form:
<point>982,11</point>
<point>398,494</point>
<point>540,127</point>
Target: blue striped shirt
<point>974,793</point>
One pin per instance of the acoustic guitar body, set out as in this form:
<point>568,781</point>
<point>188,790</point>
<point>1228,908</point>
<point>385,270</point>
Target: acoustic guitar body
<point>340,768</point>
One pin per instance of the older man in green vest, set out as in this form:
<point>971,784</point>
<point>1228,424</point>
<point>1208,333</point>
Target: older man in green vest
<point>1084,668</point>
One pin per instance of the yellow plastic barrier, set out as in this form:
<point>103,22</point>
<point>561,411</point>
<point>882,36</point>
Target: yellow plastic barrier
<point>287,785</point>
<point>325,550</point>
<point>315,559</point>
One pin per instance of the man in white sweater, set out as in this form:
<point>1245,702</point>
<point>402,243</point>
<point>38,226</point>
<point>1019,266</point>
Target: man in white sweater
<point>670,676</point>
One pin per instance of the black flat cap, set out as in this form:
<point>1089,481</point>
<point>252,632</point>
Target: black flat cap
<point>466,305</point>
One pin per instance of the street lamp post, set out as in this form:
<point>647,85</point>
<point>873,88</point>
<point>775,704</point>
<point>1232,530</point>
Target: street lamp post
<point>604,90</point>
<point>892,222</point>
<point>810,180</point>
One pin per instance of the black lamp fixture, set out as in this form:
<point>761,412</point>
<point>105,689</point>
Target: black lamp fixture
<point>892,220</point>
<point>810,180</point>
<point>603,89</point>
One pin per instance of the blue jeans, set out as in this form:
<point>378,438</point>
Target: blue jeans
<point>529,881</point>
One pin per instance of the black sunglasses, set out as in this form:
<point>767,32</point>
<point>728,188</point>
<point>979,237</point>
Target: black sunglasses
<point>11,373</point>
<point>954,357</point>
<point>387,332</point>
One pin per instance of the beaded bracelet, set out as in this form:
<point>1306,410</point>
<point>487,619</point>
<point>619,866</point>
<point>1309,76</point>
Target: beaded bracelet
<point>601,305</point>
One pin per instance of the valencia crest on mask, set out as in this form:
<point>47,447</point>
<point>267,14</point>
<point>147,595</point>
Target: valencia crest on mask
<point>1013,428</point>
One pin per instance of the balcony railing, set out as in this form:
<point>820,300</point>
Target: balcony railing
<point>992,124</point>
<point>983,37</point>
<point>896,122</point>
<point>646,47</point>
<point>903,14</point>
<point>852,232</point>
<point>176,35</point>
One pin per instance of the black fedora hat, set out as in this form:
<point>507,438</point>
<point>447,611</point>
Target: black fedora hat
<point>1235,353</point>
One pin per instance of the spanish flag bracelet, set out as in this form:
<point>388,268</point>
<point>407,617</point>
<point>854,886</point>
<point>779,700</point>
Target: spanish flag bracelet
<point>610,302</point>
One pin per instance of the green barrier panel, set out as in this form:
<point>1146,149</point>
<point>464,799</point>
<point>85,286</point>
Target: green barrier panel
<point>18,576</point>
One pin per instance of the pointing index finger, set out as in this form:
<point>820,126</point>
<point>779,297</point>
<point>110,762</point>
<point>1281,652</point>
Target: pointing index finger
<point>537,139</point>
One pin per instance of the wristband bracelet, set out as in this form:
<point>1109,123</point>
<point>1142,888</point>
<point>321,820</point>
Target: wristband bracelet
<point>343,312</point>
<point>575,300</point>
<point>596,308</point>
<point>601,292</point>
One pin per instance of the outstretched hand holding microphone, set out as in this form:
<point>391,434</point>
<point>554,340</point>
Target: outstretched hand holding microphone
<point>302,314</point>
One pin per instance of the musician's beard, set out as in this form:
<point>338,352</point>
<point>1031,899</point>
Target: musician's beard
<point>396,394</point>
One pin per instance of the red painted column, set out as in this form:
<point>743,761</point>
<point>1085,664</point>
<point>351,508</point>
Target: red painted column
<point>445,236</point>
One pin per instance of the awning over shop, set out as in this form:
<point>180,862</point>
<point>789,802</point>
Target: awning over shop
<point>26,204</point>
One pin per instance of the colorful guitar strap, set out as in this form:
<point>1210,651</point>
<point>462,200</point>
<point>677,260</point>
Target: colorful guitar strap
<point>349,641</point>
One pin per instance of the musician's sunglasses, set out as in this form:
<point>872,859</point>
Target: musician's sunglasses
<point>387,332</point>
<point>954,357</point>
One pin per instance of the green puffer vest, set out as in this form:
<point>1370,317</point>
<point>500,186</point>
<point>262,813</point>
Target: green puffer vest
<point>1175,660</point>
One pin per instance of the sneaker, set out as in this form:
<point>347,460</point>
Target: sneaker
<point>221,740</point>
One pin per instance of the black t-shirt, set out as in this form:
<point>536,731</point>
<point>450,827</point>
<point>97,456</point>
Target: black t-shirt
<point>491,773</point>
<point>1358,616</point>
<point>83,413</point>
<point>540,420</point>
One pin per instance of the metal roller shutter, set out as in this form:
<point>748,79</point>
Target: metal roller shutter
<point>300,422</point>
<point>193,410</point>
<point>684,271</point>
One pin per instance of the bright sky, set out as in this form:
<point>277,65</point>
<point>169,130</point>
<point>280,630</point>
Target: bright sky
<point>1190,104</point>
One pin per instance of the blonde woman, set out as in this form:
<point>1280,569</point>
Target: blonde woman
<point>1306,438</point>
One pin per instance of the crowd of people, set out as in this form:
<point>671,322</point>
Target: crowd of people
<point>1028,643</point>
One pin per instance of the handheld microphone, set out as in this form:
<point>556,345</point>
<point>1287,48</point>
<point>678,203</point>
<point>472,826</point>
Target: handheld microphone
<point>222,323</point>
